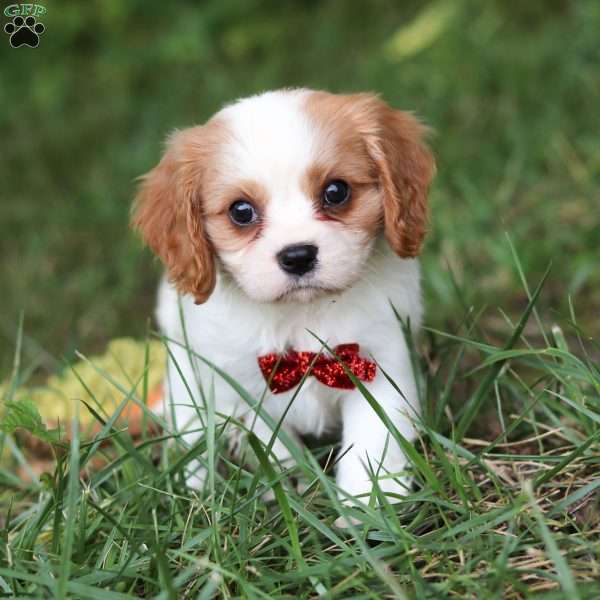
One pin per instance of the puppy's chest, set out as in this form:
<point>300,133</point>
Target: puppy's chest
<point>316,408</point>
<point>304,330</point>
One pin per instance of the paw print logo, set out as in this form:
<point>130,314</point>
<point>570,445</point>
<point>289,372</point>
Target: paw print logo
<point>24,32</point>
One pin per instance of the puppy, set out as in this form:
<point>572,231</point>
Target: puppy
<point>288,214</point>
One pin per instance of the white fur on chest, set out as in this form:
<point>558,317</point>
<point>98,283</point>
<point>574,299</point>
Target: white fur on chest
<point>231,332</point>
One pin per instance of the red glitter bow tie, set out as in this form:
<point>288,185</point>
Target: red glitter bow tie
<point>284,371</point>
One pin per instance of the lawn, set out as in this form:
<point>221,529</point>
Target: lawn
<point>506,500</point>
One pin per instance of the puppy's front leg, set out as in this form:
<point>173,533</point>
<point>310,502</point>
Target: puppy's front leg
<point>367,443</point>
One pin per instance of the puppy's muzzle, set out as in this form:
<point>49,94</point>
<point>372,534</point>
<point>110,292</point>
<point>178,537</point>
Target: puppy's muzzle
<point>298,259</point>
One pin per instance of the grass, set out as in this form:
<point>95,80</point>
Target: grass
<point>504,508</point>
<point>506,500</point>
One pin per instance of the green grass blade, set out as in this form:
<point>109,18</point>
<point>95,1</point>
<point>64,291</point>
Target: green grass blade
<point>280,495</point>
<point>564,574</point>
<point>72,508</point>
<point>477,399</point>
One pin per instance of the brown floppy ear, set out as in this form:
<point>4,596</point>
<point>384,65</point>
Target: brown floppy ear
<point>168,214</point>
<point>406,168</point>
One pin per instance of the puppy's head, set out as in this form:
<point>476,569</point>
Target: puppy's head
<point>287,191</point>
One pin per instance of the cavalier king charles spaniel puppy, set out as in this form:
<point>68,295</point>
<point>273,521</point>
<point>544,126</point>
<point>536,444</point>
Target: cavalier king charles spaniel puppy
<point>291,217</point>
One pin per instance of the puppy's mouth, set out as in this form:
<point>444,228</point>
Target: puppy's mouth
<point>304,292</point>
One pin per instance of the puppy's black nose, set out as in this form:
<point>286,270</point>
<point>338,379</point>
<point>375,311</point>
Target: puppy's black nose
<point>298,259</point>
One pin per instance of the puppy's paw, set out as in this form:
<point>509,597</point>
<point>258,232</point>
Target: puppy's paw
<point>395,488</point>
<point>360,485</point>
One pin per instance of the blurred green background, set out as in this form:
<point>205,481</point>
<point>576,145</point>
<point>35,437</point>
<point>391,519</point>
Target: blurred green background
<point>512,89</point>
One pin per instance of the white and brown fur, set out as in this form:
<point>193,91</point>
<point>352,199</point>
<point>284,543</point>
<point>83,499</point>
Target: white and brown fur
<point>278,150</point>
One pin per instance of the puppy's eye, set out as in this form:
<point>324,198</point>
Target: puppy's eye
<point>336,192</point>
<point>242,213</point>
